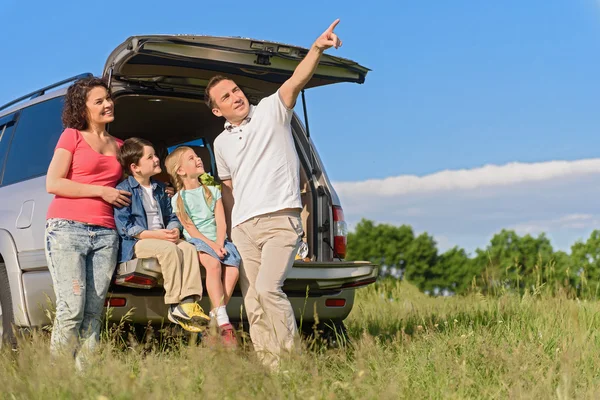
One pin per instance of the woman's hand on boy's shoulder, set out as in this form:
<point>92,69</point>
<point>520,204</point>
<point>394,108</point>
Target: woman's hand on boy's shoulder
<point>115,197</point>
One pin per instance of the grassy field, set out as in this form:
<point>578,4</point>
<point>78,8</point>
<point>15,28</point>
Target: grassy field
<point>404,345</point>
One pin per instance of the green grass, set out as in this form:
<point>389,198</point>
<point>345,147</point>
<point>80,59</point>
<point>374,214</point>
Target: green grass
<point>403,345</point>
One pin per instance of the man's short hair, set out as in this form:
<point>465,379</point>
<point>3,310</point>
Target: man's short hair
<point>131,152</point>
<point>212,83</point>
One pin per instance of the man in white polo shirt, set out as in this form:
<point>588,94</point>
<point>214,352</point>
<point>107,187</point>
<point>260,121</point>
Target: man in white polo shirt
<point>258,164</point>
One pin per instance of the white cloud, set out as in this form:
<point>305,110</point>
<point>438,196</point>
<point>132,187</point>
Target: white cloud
<point>467,207</point>
<point>469,179</point>
<point>572,221</point>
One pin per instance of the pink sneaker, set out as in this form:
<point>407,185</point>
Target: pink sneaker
<point>228,337</point>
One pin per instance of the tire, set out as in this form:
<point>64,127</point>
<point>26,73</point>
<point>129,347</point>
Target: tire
<point>6,310</point>
<point>336,334</point>
<point>331,334</point>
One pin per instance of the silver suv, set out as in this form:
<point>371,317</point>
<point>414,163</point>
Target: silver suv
<point>158,85</point>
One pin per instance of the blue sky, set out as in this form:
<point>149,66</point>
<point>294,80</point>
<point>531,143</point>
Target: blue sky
<point>455,86</point>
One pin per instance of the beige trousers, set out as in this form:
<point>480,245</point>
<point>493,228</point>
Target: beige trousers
<point>179,264</point>
<point>268,246</point>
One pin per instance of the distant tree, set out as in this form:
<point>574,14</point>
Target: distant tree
<point>397,248</point>
<point>508,261</point>
<point>421,259</point>
<point>382,243</point>
<point>563,271</point>
<point>455,271</point>
<point>585,257</point>
<point>513,260</point>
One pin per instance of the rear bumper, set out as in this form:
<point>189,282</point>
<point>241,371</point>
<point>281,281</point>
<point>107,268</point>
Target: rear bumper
<point>315,289</point>
<point>151,307</point>
<point>332,275</point>
<point>308,287</point>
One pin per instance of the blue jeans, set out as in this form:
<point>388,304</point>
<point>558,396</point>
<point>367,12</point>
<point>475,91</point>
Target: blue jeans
<point>81,259</point>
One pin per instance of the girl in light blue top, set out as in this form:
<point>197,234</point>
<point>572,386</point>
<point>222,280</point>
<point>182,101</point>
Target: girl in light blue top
<point>200,210</point>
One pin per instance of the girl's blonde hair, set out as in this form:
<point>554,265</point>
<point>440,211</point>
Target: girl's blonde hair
<point>173,163</point>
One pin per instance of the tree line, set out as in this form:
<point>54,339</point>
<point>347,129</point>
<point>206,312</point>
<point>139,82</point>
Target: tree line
<point>509,261</point>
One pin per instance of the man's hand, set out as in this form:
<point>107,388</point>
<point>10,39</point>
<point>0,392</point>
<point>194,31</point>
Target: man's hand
<point>291,88</point>
<point>328,39</point>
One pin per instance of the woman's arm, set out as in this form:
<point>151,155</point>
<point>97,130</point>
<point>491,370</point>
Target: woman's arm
<point>58,184</point>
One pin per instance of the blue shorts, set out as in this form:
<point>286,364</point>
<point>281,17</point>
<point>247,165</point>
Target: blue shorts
<point>232,258</point>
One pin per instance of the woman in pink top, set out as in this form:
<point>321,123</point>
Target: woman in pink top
<point>81,240</point>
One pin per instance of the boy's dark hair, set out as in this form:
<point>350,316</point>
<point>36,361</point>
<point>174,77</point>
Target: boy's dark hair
<point>74,114</point>
<point>131,152</point>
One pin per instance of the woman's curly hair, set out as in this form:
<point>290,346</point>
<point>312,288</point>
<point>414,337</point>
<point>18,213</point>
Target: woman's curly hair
<point>74,113</point>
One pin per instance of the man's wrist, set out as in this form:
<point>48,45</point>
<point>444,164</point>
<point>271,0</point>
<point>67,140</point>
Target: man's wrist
<point>316,48</point>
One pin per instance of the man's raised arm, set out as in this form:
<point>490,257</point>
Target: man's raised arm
<point>291,88</point>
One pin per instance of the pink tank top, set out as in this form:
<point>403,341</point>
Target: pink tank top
<point>90,167</point>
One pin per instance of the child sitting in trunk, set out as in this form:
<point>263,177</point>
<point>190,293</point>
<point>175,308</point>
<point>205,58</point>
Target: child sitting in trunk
<point>148,228</point>
<point>200,210</point>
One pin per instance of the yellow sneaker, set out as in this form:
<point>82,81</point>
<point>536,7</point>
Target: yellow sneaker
<point>195,325</point>
<point>190,311</point>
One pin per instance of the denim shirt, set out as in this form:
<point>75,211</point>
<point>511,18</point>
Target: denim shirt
<point>131,220</point>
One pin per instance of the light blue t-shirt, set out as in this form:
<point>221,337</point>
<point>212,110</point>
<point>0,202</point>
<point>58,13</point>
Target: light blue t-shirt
<point>201,214</point>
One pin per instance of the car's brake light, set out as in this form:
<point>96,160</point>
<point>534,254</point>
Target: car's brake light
<point>359,283</point>
<point>136,281</point>
<point>335,302</point>
<point>115,302</point>
<point>340,232</point>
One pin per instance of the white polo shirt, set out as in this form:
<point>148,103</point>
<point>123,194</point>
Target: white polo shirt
<point>260,159</point>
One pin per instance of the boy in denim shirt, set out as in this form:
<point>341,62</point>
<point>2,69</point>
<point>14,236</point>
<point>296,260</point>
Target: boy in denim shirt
<point>148,228</point>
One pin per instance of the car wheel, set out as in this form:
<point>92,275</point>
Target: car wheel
<point>336,334</point>
<point>332,334</point>
<point>7,318</point>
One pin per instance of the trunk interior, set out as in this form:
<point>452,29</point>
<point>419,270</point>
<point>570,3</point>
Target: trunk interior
<point>171,121</point>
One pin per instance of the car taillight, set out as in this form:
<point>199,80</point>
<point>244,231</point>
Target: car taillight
<point>359,283</point>
<point>335,302</point>
<point>115,302</point>
<point>340,231</point>
<point>138,281</point>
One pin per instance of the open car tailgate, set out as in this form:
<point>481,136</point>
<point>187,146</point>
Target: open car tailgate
<point>166,59</point>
